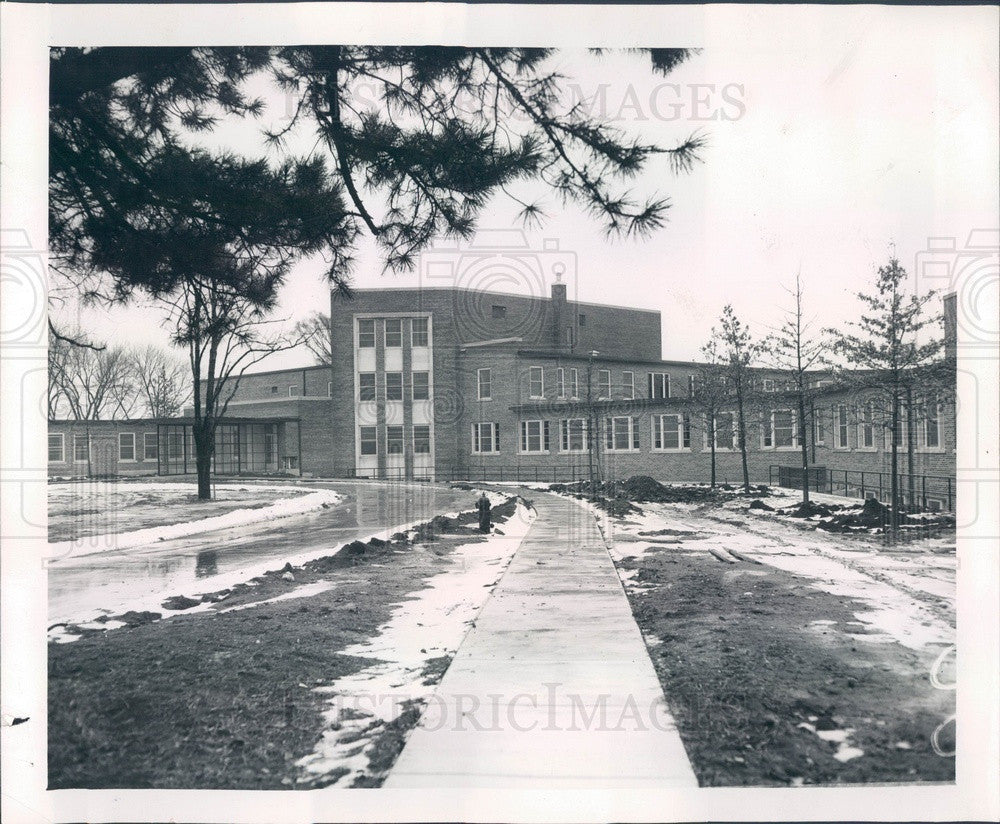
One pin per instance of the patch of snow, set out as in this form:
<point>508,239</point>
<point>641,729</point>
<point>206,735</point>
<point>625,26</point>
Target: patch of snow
<point>239,517</point>
<point>845,752</point>
<point>305,591</point>
<point>431,624</point>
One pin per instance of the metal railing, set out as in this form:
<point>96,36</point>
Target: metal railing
<point>917,492</point>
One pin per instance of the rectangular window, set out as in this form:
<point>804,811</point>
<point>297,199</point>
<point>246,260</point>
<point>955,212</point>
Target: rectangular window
<point>628,385</point>
<point>150,447</point>
<point>81,448</point>
<point>574,383</point>
<point>659,385</point>
<point>766,431</point>
<point>784,428</point>
<point>583,320</point>
<point>603,384</point>
<point>692,385</point>
<point>484,380</point>
<point>368,439</point>
<point>366,386</point>
<point>900,433</point>
<point>394,386</point>
<point>621,434</point>
<point>366,333</point>
<point>394,440</point>
<point>768,385</point>
<point>561,382</point>
<point>840,417</point>
<point>329,389</point>
<point>670,432</point>
<point>573,435</point>
<point>725,436</point>
<point>534,436</point>
<point>421,386</point>
<point>536,382</point>
<point>419,332</point>
<point>498,312</point>
<point>56,452</point>
<point>932,425</point>
<point>485,438</point>
<point>819,426</point>
<point>421,439</point>
<point>175,445</point>
<point>126,446</point>
<point>393,333</point>
<point>293,391</point>
<point>867,426</point>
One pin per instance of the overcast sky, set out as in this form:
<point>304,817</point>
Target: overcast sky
<point>833,142</point>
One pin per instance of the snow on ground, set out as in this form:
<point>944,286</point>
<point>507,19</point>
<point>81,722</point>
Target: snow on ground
<point>909,595</point>
<point>297,503</point>
<point>430,625</point>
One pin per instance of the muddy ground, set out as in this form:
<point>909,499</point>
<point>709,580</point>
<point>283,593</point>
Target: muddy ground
<point>751,680</point>
<point>224,699</point>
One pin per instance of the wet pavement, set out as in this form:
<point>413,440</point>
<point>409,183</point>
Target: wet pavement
<point>82,585</point>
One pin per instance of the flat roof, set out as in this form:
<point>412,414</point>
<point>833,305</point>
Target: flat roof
<point>178,421</point>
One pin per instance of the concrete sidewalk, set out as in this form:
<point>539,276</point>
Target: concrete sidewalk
<point>553,687</point>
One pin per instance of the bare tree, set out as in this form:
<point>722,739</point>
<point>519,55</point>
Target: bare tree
<point>163,380</point>
<point>794,350</point>
<point>710,396</point>
<point>225,333</point>
<point>738,352</point>
<point>89,383</point>
<point>315,334</point>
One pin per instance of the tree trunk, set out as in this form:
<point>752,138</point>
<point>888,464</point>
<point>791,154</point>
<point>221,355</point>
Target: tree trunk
<point>743,446</point>
<point>711,440</point>
<point>894,472</point>
<point>911,435</point>
<point>804,443</point>
<point>204,444</point>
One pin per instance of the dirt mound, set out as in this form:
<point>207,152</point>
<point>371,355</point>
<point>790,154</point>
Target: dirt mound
<point>756,503</point>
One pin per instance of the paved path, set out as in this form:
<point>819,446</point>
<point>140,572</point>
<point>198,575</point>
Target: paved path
<point>553,686</point>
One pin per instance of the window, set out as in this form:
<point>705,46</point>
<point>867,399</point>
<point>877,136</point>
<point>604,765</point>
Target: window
<point>366,386</point>
<point>498,311</point>
<point>484,380</point>
<point>561,382</point>
<point>175,445</point>
<point>603,383</point>
<point>366,333</point>
<point>783,426</point>
<point>126,446</point>
<point>293,391</point>
<point>866,429</point>
<point>534,436</point>
<point>574,383</point>
<point>583,320</point>
<point>418,332</point>
<point>768,385</point>
<point>394,440</point>
<point>932,425</point>
<point>900,436</point>
<point>393,333</point>
<point>725,437</point>
<point>671,432</point>
<point>274,390</point>
<point>56,451</point>
<point>421,386</point>
<point>659,385</point>
<point>329,389</point>
<point>485,438</point>
<point>421,439</point>
<point>394,386</point>
<point>81,448</point>
<point>692,385</point>
<point>368,439</point>
<point>840,419</point>
<point>621,434</point>
<point>628,385</point>
<point>573,435</point>
<point>150,447</point>
<point>536,382</point>
<point>819,426</point>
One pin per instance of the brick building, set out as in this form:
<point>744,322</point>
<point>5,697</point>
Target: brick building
<point>444,383</point>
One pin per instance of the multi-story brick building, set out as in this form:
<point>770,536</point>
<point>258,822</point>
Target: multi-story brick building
<point>448,383</point>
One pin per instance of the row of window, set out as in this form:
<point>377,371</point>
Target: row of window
<point>873,428</point>
<point>568,384</point>
<point>295,390</point>
<point>81,447</point>
<point>395,439</point>
<point>420,388</point>
<point>419,328</point>
<point>620,434</point>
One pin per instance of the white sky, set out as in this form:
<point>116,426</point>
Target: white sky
<point>848,138</point>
